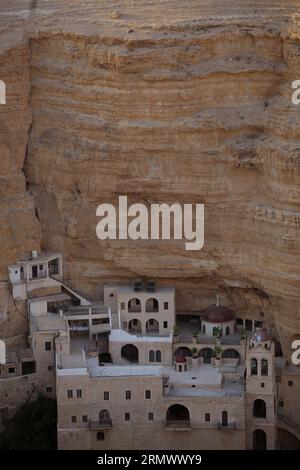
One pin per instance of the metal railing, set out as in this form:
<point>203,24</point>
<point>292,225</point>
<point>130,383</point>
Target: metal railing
<point>103,423</point>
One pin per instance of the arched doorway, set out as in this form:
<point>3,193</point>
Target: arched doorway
<point>224,418</point>
<point>259,438</point>
<point>152,305</point>
<point>135,326</point>
<point>227,330</point>
<point>134,305</point>
<point>259,409</point>
<point>152,326</point>
<point>183,352</point>
<point>231,354</point>
<point>130,353</point>
<point>206,354</point>
<point>178,413</point>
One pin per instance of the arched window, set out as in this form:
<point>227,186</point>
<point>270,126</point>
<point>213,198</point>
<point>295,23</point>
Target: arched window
<point>264,367</point>
<point>259,409</point>
<point>134,305</point>
<point>100,436</point>
<point>224,418</point>
<point>152,326</point>
<point>151,356</point>
<point>253,366</point>
<point>204,329</point>
<point>152,305</point>
<point>227,330</point>
<point>158,356</point>
<point>135,326</point>
<point>215,331</point>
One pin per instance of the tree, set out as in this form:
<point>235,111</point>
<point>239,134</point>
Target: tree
<point>32,427</point>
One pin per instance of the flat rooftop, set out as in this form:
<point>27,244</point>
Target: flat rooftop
<point>122,371</point>
<point>49,322</point>
<point>42,256</point>
<point>201,377</point>
<point>129,289</point>
<point>124,337</point>
<point>51,298</point>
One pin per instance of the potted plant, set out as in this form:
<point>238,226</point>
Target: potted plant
<point>195,337</point>
<point>194,357</point>
<point>176,335</point>
<point>218,353</point>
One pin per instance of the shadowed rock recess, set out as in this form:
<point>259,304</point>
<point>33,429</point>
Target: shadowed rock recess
<point>163,101</point>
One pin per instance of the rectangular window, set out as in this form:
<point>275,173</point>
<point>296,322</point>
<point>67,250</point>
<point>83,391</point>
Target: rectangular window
<point>49,389</point>
<point>128,395</point>
<point>41,267</point>
<point>281,403</point>
<point>290,383</point>
<point>150,416</point>
<point>125,325</point>
<point>147,394</point>
<point>48,346</point>
<point>111,294</point>
<point>79,393</point>
<point>50,368</point>
<point>166,305</point>
<point>122,305</point>
<point>74,419</point>
<point>127,416</point>
<point>165,324</point>
<point>70,394</point>
<point>239,321</point>
<point>105,395</point>
<point>207,417</point>
<point>84,419</point>
<point>11,370</point>
<point>262,385</point>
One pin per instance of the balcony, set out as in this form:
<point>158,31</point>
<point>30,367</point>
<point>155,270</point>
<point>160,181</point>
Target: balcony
<point>104,423</point>
<point>226,427</point>
<point>178,425</point>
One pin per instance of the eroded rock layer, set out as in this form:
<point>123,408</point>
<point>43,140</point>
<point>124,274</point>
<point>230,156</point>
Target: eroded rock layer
<point>169,102</point>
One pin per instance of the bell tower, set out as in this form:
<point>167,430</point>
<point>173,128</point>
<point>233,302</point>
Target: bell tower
<point>260,395</point>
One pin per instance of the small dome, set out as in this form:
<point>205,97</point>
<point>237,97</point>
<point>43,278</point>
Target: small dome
<point>180,359</point>
<point>261,335</point>
<point>218,314</point>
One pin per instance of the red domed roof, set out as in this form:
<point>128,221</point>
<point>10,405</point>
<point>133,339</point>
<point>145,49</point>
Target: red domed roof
<point>261,335</point>
<point>218,314</point>
<point>180,359</point>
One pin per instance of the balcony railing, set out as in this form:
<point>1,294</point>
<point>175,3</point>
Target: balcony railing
<point>227,427</point>
<point>178,425</point>
<point>104,423</point>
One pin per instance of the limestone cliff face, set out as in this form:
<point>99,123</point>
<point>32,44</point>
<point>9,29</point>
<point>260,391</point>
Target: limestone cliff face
<point>169,102</point>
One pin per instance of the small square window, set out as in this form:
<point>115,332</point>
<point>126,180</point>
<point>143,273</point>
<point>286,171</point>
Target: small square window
<point>50,368</point>
<point>49,389</point>
<point>127,416</point>
<point>111,294</point>
<point>290,383</point>
<point>48,346</point>
<point>70,394</point>
<point>128,394</point>
<point>281,403</point>
<point>41,267</point>
<point>150,416</point>
<point>74,419</point>
<point>79,393</point>
<point>166,305</point>
<point>84,419</point>
<point>165,324</point>
<point>207,417</point>
<point>11,370</point>
<point>105,395</point>
<point>147,394</point>
<point>262,385</point>
<point>122,305</point>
